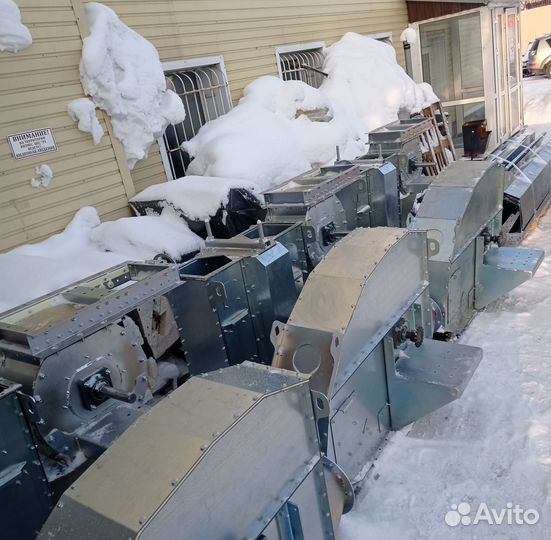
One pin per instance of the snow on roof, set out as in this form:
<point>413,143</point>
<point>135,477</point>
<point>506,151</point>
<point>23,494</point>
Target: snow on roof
<point>14,35</point>
<point>122,73</point>
<point>198,197</point>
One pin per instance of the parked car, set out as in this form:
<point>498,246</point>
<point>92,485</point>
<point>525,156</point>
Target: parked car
<point>525,70</point>
<point>539,56</point>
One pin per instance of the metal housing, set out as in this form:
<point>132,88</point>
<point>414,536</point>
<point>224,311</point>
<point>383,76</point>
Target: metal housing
<point>340,334</point>
<point>461,212</point>
<point>228,455</point>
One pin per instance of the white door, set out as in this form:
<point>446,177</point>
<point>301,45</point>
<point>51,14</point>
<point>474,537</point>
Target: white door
<point>514,71</point>
<point>500,95</point>
<point>508,74</point>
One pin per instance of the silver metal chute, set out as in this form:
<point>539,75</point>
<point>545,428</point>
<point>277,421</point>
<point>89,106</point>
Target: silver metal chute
<point>361,330</point>
<point>462,214</point>
<point>416,388</point>
<point>56,320</point>
<point>502,270</point>
<point>231,454</point>
<point>528,157</point>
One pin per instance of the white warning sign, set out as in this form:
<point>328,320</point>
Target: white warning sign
<point>32,143</point>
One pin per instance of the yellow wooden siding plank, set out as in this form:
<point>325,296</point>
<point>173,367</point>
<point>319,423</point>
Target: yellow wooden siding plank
<point>26,5</point>
<point>52,78</point>
<point>24,208</point>
<point>68,206</point>
<point>45,14</point>
<point>62,180</point>
<point>30,64</point>
<point>29,97</point>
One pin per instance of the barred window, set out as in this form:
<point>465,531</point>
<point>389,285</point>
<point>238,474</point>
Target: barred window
<point>385,37</point>
<point>302,63</point>
<point>203,88</point>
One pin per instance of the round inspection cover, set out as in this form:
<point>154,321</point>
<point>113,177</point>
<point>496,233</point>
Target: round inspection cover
<point>307,359</point>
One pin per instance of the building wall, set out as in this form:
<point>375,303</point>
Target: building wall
<point>246,33</point>
<point>534,23</point>
<point>36,85</point>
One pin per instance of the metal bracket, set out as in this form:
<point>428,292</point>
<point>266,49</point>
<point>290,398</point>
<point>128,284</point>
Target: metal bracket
<point>321,413</point>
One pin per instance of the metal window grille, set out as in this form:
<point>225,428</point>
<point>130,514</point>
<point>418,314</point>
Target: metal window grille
<point>205,93</point>
<point>292,66</point>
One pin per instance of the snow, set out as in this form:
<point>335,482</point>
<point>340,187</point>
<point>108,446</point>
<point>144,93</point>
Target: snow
<point>143,237</point>
<point>86,247</point>
<point>14,35</point>
<point>281,129</point>
<point>122,73</point>
<point>197,197</point>
<point>493,445</point>
<point>537,103</point>
<point>365,76</point>
<point>43,176</point>
<point>409,35</point>
<point>249,142</point>
<point>84,111</point>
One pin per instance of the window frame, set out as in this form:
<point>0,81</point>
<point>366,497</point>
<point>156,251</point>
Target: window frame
<point>183,65</point>
<point>382,36</point>
<point>296,48</point>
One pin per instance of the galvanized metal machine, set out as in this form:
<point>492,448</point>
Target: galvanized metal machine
<point>283,442</point>
<point>230,454</point>
<point>362,331</point>
<point>462,214</point>
<point>528,157</point>
<point>341,308</point>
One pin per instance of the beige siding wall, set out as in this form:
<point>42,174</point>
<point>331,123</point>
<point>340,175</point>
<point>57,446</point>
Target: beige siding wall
<point>246,34</point>
<point>36,85</point>
<point>534,23</point>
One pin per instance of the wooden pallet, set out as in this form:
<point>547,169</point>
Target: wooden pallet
<point>437,140</point>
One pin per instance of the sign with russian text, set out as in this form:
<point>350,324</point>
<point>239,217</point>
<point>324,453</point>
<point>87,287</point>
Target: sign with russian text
<point>32,143</point>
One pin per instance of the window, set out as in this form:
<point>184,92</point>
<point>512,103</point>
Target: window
<point>301,63</point>
<point>385,37</point>
<point>203,87</point>
<point>451,59</point>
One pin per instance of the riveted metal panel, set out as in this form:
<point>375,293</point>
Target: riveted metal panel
<point>459,203</point>
<point>237,442</point>
<point>350,301</point>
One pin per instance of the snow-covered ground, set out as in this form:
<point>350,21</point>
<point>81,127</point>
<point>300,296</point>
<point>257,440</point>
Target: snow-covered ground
<point>492,446</point>
<point>537,102</point>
